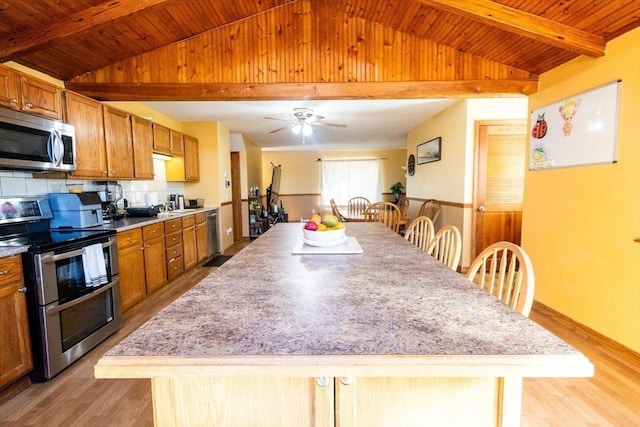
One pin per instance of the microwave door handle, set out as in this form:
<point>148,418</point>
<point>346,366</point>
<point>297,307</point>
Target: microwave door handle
<point>57,147</point>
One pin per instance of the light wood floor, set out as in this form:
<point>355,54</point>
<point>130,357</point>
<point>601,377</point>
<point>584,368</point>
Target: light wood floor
<point>75,398</point>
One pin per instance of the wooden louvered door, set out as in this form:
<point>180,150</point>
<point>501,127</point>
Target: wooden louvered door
<point>499,183</point>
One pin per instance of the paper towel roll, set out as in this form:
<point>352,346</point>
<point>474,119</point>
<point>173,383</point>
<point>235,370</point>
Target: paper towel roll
<point>150,199</point>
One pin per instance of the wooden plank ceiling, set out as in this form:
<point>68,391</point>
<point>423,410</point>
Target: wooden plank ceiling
<point>286,49</point>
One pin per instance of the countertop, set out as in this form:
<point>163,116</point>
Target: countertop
<point>391,305</point>
<point>125,224</point>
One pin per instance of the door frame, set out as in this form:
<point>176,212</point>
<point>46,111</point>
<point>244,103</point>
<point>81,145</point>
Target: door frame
<point>476,152</point>
<point>236,195</point>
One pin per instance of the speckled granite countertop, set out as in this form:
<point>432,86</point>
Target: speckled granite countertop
<point>8,251</point>
<point>391,300</point>
<point>129,223</point>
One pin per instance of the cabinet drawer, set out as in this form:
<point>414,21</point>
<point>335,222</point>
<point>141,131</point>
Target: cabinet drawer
<point>10,269</point>
<point>173,239</point>
<point>129,238</point>
<point>152,231</point>
<point>188,221</point>
<point>201,218</point>
<point>174,252</point>
<point>172,225</point>
<point>174,268</point>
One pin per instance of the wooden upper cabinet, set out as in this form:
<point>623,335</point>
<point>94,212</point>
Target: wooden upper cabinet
<point>29,94</point>
<point>10,95</point>
<point>85,114</point>
<point>142,137</point>
<point>117,132</point>
<point>161,139</point>
<point>191,159</point>
<point>41,98</point>
<point>177,145</point>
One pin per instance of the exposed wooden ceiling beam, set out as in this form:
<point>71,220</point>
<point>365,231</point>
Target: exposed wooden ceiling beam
<point>524,24</point>
<point>284,91</point>
<point>33,39</point>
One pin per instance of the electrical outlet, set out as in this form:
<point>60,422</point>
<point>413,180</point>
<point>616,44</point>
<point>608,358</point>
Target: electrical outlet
<point>229,230</point>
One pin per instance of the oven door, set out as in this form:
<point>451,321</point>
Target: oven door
<point>71,329</point>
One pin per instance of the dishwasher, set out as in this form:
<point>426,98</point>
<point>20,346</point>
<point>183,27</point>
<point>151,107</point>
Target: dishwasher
<point>212,233</point>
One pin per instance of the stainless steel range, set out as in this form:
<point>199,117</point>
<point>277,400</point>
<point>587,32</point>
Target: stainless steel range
<point>71,278</point>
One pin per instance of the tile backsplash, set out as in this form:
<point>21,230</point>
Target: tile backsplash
<point>15,183</point>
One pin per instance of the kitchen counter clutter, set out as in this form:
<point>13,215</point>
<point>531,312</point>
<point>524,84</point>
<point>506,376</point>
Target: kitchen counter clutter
<point>386,337</point>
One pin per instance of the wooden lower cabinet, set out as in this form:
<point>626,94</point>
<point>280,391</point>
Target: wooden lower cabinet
<point>132,272</point>
<point>154,256</point>
<point>189,247</point>
<point>173,242</point>
<point>330,401</point>
<point>15,356</point>
<point>140,256</point>
<point>201,236</point>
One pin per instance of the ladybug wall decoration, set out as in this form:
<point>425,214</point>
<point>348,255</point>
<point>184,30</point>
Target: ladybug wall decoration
<point>540,128</point>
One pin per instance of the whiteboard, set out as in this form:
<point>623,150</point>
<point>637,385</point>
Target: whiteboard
<point>578,130</point>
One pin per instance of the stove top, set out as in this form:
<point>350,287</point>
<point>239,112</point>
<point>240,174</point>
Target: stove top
<point>44,241</point>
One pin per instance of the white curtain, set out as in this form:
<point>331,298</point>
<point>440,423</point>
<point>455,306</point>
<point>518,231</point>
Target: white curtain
<point>344,179</point>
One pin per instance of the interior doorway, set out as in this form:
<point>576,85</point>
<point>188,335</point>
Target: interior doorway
<point>500,161</point>
<point>236,196</point>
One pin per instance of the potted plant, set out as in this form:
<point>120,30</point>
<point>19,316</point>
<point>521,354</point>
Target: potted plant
<point>397,189</point>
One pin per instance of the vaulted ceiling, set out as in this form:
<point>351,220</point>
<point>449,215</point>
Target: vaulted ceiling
<point>312,51</point>
<point>282,49</point>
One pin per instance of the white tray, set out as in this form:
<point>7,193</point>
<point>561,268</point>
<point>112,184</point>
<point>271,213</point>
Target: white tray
<point>350,246</point>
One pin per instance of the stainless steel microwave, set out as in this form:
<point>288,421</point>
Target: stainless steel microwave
<point>35,144</point>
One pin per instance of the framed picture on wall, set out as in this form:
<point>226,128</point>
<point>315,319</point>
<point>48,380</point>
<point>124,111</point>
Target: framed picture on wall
<point>430,151</point>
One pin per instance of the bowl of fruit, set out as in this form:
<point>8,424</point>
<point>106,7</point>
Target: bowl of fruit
<point>325,230</point>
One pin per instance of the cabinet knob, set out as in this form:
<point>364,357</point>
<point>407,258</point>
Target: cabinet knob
<point>3,272</point>
<point>14,100</point>
<point>346,380</point>
<point>322,381</point>
<point>23,290</point>
<point>29,105</point>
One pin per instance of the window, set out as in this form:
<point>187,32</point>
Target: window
<point>344,179</point>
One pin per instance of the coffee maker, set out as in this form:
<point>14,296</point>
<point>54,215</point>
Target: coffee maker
<point>110,196</point>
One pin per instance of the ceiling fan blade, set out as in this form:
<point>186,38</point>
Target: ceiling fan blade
<point>274,118</point>
<point>279,129</point>
<point>332,125</point>
<point>314,118</point>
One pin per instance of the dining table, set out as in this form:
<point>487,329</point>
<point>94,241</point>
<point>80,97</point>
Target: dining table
<point>283,334</point>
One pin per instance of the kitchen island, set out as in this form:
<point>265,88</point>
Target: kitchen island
<point>387,337</point>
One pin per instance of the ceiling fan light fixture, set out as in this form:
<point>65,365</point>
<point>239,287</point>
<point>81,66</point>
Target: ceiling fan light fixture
<point>296,128</point>
<point>306,129</point>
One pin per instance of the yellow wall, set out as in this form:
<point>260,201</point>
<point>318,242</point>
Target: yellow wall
<point>300,184</point>
<point>451,179</point>
<point>579,223</point>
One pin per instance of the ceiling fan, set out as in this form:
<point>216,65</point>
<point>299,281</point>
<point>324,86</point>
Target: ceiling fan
<point>303,122</point>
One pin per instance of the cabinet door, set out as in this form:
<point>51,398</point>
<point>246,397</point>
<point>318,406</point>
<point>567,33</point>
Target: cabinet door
<point>41,98</point>
<point>142,137</point>
<point>117,132</point>
<point>132,271</point>
<point>177,146</point>
<point>201,241</point>
<point>154,262</point>
<point>91,154</point>
<point>189,251</point>
<point>191,159</point>
<point>243,401</point>
<point>161,139</point>
<point>10,88</point>
<point>15,357</point>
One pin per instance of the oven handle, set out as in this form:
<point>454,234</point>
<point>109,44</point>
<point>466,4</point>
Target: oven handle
<point>66,305</point>
<point>71,254</point>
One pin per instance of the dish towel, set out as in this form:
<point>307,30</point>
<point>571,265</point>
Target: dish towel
<point>95,269</point>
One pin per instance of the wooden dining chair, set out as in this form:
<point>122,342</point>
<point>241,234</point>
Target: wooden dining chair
<point>403,205</point>
<point>335,211</point>
<point>446,246</point>
<point>420,232</point>
<point>431,208</point>
<point>505,271</point>
<point>384,212</point>
<point>356,207</point>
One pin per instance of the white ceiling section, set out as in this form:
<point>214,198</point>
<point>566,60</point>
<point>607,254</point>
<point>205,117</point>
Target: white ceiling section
<point>370,124</point>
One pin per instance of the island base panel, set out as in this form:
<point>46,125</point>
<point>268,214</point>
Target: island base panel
<point>342,402</point>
